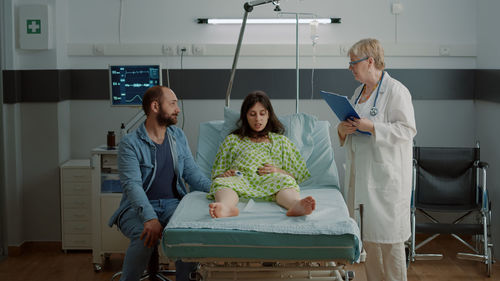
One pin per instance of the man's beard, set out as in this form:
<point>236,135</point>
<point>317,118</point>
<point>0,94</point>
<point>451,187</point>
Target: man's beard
<point>164,119</point>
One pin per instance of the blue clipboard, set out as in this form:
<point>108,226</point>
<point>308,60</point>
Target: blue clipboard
<point>341,106</point>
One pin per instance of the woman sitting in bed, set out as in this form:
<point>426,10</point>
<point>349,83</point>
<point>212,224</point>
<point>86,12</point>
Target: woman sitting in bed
<point>257,161</point>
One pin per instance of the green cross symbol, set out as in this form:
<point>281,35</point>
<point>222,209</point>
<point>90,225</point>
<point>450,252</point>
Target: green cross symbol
<point>33,26</point>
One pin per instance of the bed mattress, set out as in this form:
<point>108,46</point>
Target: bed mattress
<point>262,231</point>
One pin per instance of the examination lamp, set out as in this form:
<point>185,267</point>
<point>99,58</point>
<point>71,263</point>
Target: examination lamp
<point>248,8</point>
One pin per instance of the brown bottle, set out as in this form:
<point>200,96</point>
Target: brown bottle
<point>111,139</point>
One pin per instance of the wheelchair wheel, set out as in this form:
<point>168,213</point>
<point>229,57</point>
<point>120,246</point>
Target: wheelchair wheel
<point>489,261</point>
<point>408,256</point>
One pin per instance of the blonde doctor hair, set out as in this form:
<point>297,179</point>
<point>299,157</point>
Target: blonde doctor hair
<point>369,47</point>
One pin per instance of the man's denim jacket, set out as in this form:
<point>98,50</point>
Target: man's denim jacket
<point>137,168</point>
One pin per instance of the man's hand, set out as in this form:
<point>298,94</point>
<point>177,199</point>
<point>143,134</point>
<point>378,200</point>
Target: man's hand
<point>151,233</point>
<point>228,173</point>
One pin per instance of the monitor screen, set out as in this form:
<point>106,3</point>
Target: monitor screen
<point>129,82</point>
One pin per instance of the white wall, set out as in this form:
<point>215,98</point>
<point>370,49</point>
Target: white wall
<point>488,41</point>
<point>488,113</point>
<point>173,22</point>
<point>14,174</point>
<point>38,137</point>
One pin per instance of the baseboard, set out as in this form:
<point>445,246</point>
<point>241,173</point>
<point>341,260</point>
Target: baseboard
<point>16,251</point>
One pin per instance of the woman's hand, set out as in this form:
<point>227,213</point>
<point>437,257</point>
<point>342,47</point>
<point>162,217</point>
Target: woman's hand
<point>269,169</point>
<point>228,173</point>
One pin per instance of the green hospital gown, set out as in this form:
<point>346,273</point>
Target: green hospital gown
<point>246,156</point>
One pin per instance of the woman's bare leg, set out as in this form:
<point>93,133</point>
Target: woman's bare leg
<point>289,198</point>
<point>225,204</point>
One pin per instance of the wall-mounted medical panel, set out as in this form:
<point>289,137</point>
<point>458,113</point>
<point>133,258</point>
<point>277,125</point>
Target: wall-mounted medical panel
<point>35,27</point>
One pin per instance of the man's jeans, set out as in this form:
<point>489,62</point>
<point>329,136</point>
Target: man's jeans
<point>137,256</point>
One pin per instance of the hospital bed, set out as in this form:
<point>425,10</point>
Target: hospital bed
<point>262,243</point>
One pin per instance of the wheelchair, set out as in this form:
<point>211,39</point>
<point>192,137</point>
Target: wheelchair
<point>451,181</point>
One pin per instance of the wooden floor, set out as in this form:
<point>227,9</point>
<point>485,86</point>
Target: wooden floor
<point>48,264</point>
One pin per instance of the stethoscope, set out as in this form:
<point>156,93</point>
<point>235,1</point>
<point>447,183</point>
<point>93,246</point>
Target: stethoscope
<point>374,109</point>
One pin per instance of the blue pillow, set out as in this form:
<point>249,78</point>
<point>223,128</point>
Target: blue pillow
<point>310,136</point>
<point>302,124</point>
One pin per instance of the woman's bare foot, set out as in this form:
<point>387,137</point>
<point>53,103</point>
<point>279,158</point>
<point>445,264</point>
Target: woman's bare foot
<point>304,207</point>
<point>219,210</point>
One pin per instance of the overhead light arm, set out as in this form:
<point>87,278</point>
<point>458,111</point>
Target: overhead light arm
<point>248,6</point>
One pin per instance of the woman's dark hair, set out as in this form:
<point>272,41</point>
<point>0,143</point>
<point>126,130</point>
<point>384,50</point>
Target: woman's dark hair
<point>273,124</point>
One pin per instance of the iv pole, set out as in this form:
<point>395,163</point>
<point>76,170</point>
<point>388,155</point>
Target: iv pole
<point>248,8</point>
<point>297,52</point>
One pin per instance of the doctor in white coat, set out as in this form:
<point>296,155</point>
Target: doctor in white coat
<point>379,164</point>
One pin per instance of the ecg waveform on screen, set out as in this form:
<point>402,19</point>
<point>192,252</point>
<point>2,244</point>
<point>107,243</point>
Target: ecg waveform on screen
<point>128,83</point>
<point>136,98</point>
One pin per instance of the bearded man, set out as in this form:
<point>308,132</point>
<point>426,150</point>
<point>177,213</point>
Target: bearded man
<point>154,163</point>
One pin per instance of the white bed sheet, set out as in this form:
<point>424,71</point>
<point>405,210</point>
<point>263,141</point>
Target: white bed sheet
<point>330,217</point>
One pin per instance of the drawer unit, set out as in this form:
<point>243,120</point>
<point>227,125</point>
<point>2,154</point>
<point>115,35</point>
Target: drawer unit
<point>106,195</point>
<point>76,182</point>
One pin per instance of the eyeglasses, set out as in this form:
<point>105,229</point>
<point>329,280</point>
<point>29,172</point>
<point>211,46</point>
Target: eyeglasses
<point>352,63</point>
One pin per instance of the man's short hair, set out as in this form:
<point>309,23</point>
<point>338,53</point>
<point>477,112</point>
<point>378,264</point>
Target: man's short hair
<point>152,94</point>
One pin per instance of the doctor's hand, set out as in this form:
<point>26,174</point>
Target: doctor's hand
<point>364,124</point>
<point>346,128</point>
<point>151,233</point>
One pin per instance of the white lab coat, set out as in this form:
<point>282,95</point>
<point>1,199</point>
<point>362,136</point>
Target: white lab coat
<point>380,166</point>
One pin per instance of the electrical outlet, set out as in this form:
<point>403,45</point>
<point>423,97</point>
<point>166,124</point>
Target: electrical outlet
<point>396,8</point>
<point>184,50</point>
<point>198,50</point>
<point>444,50</point>
<point>168,50</point>
<point>98,49</point>
<point>343,50</point>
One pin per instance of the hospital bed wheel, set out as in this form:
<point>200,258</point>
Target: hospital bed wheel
<point>97,267</point>
<point>349,275</point>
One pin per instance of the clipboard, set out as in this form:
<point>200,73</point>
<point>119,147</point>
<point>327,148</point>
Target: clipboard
<point>341,106</point>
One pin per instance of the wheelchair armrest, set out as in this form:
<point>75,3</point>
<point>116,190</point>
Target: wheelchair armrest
<point>483,165</point>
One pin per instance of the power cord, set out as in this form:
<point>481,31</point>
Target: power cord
<point>314,37</point>
<point>120,20</point>
<point>183,50</point>
<point>312,71</point>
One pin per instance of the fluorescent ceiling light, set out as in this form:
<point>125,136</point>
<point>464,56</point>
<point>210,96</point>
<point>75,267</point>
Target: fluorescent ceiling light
<point>267,21</point>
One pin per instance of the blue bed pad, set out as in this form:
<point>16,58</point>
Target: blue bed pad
<point>262,230</point>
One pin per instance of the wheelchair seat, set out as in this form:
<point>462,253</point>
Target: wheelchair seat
<point>452,181</point>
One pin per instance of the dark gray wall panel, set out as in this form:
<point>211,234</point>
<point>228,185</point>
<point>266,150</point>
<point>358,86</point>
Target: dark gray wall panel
<point>89,84</point>
<point>92,84</point>
<point>11,86</point>
<point>438,84</point>
<point>36,85</point>
<point>198,83</point>
<point>488,85</point>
